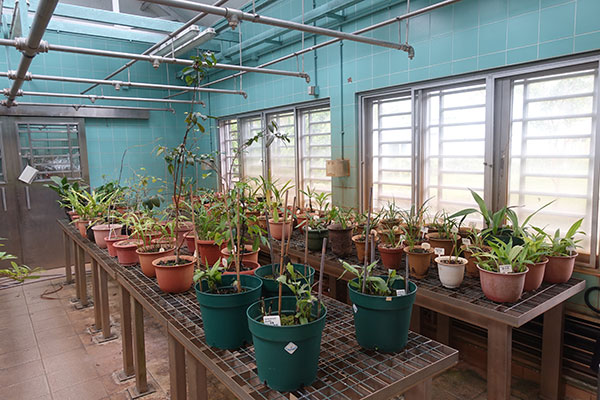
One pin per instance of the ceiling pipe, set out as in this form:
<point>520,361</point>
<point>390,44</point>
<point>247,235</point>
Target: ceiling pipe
<point>327,43</point>
<point>155,60</point>
<point>93,98</point>
<point>78,106</point>
<point>119,84</point>
<point>234,16</point>
<point>159,43</point>
<point>30,47</point>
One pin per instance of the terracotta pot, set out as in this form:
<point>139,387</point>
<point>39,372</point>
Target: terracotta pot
<point>190,241</point>
<point>102,231</point>
<point>446,244</point>
<point>82,226</point>
<point>391,257</point>
<point>146,259</point>
<point>175,278</point>
<point>277,229</point>
<point>249,255</point>
<point>126,254</point>
<point>300,222</point>
<point>340,240</point>
<point>559,268</point>
<point>471,267</point>
<point>182,229</point>
<point>72,215</point>
<point>250,267</point>
<point>360,245</point>
<point>502,288</point>
<point>262,222</point>
<point>165,241</point>
<point>451,275</point>
<point>111,241</point>
<point>209,252</point>
<point>418,263</point>
<point>535,275</point>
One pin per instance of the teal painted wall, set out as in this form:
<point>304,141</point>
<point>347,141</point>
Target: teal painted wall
<point>471,35</point>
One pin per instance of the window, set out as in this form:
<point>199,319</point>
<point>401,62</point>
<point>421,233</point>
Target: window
<point>230,166</point>
<point>252,158</point>
<point>282,155</point>
<point>53,149</point>
<point>315,149</point>
<point>552,149</point>
<point>454,147</point>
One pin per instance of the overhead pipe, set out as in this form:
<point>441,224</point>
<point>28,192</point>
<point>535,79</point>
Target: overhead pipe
<point>327,43</point>
<point>234,16</point>
<point>119,84</point>
<point>78,106</point>
<point>30,47</point>
<point>93,98</point>
<point>155,60</point>
<point>159,43</point>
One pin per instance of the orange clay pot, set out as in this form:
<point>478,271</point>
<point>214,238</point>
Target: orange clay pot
<point>175,278</point>
<point>146,259</point>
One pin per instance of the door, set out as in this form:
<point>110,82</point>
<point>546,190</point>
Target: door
<point>55,147</point>
<point>9,216</point>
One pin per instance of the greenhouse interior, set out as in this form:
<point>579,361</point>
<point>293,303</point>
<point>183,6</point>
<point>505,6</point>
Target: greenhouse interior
<point>299,199</point>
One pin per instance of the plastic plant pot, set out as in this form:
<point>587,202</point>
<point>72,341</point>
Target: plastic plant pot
<point>287,357</point>
<point>359,244</point>
<point>209,252</point>
<point>340,240</point>
<point>110,241</point>
<point>82,226</point>
<point>190,241</point>
<point>126,254</point>
<point>315,238</point>
<point>559,268</point>
<point>446,244</point>
<point>248,268</point>
<point>271,286</point>
<point>535,275</point>
<point>147,257</point>
<point>224,315</point>
<point>175,278</point>
<point>277,229</point>
<point>248,255</point>
<point>391,257</point>
<point>451,275</point>
<point>102,231</point>
<point>502,288</point>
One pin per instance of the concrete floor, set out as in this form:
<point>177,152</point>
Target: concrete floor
<point>47,352</point>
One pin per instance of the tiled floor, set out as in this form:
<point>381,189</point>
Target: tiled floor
<point>46,352</point>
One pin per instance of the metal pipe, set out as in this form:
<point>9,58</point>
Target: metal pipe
<point>31,46</point>
<point>156,60</point>
<point>235,15</point>
<point>118,84</point>
<point>327,43</point>
<point>78,106</point>
<point>159,43</point>
<point>93,98</point>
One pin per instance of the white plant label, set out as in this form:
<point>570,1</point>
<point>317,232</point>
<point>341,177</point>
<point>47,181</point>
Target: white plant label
<point>272,320</point>
<point>424,229</point>
<point>388,298</point>
<point>571,250</point>
<point>354,308</point>
<point>163,249</point>
<point>426,246</point>
<point>291,347</point>
<point>439,251</point>
<point>400,292</point>
<point>196,253</point>
<point>454,229</point>
<point>466,242</point>
<point>505,269</point>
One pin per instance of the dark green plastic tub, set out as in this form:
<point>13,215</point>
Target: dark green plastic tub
<point>315,239</point>
<point>224,315</point>
<point>381,322</point>
<point>281,369</point>
<point>271,286</point>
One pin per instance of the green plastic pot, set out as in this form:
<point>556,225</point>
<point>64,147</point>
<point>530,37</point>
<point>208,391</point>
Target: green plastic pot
<point>315,239</point>
<point>287,357</point>
<point>224,315</point>
<point>271,286</point>
<point>381,322</point>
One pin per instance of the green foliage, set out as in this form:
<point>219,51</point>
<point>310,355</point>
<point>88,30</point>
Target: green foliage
<point>301,289</point>
<point>536,246</point>
<point>143,191</point>
<point>341,216</point>
<point>62,187</point>
<point>446,227</point>
<point>412,221</point>
<point>375,285</point>
<point>143,225</point>
<point>212,276</point>
<point>503,254</point>
<point>90,206</point>
<point>17,272</point>
<point>563,245</point>
<point>391,215</point>
<point>194,74</point>
<point>209,220</point>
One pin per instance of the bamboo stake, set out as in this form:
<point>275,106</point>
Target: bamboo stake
<point>237,247</point>
<point>367,230</point>
<point>194,229</point>
<point>321,268</point>
<point>269,237</point>
<point>306,249</point>
<point>281,253</point>
<point>287,249</point>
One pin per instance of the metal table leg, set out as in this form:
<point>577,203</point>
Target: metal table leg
<point>104,306</point>
<point>96,294</point>
<point>177,369</point>
<point>126,336</point>
<point>197,382</point>
<point>422,391</point>
<point>499,361</point>
<point>139,349</point>
<point>552,344</point>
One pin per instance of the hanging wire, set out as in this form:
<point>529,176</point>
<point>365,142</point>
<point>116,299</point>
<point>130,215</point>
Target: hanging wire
<point>253,7</point>
<point>302,36</point>
<point>168,83</point>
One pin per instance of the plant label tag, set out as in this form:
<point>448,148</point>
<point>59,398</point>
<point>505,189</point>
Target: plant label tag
<point>400,292</point>
<point>454,229</point>
<point>161,249</point>
<point>424,229</point>
<point>272,320</point>
<point>505,269</point>
<point>466,242</point>
<point>354,308</point>
<point>389,298</point>
<point>425,246</point>
<point>291,347</point>
<point>390,271</point>
<point>571,250</point>
<point>196,253</point>
<point>439,251</point>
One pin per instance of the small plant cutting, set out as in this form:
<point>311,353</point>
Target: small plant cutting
<point>537,251</point>
<point>382,307</point>
<point>418,256</point>
<point>359,238</point>
<point>209,227</point>
<point>562,252</point>
<point>445,235</point>
<point>472,243</point>
<point>276,207</point>
<point>502,271</point>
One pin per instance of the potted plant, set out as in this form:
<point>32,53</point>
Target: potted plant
<point>210,228</point>
<point>126,251</point>
<point>340,231</point>
<point>451,268</point>
<point>391,250</point>
<point>382,308</point>
<point>62,187</point>
<point>537,251</point>
<point>287,334</point>
<point>277,208</point>
<point>445,235</point>
<point>360,220</point>
<point>474,243</point>
<point>562,254</point>
<point>390,217</point>
<point>418,256</point>
<point>502,271</point>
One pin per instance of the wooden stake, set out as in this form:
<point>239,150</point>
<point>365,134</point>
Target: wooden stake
<point>269,237</point>
<point>321,268</point>
<point>287,249</point>
<point>194,229</point>
<point>237,247</point>
<point>281,253</point>
<point>306,249</point>
<point>367,230</point>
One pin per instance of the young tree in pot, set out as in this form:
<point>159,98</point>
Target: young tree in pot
<point>382,309</point>
<point>276,209</point>
<point>340,231</point>
<point>287,334</point>
<point>418,256</point>
<point>562,253</point>
<point>451,268</point>
<point>502,271</point>
<point>391,250</point>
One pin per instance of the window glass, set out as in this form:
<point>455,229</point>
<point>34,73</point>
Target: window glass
<point>315,149</point>
<point>230,167</point>
<point>283,154</point>
<point>252,158</point>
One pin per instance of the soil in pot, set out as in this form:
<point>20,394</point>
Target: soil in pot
<point>391,257</point>
<point>165,241</point>
<point>435,240</point>
<point>126,254</point>
<point>247,254</point>
<point>277,229</point>
<point>315,238</point>
<point>271,286</point>
<point>102,231</point>
<point>340,240</point>
<point>174,275</point>
<point>359,244</point>
<point>418,261</point>
<point>382,322</point>
<point>559,268</point>
<point>224,315</point>
<point>110,241</point>
<point>535,275</point>
<point>451,270</point>
<point>246,268</point>
<point>147,254</point>
<point>287,357</point>
<point>502,288</point>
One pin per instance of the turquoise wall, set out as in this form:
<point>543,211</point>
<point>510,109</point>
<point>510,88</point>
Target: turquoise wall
<point>471,35</point>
